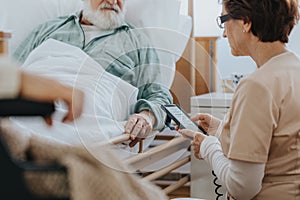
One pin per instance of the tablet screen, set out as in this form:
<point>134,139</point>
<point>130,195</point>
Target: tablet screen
<point>182,118</point>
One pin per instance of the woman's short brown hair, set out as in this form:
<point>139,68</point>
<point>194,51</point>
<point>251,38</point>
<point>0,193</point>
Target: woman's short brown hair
<point>272,20</point>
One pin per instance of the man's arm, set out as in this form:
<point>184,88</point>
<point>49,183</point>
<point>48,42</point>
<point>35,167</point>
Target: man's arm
<point>27,45</point>
<point>36,37</point>
<point>152,92</point>
<point>150,98</point>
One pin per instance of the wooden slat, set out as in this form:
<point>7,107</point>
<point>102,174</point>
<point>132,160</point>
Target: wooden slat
<point>124,138</point>
<point>177,185</point>
<point>168,169</point>
<point>4,36</point>
<point>156,153</point>
<point>164,137</point>
<point>119,139</point>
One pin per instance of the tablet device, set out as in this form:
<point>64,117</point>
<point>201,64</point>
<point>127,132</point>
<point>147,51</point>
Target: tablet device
<point>181,118</point>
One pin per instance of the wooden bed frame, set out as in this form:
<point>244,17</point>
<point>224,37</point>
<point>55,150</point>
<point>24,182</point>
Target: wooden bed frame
<point>155,154</point>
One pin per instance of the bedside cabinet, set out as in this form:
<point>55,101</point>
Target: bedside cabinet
<point>202,180</point>
<point>214,103</point>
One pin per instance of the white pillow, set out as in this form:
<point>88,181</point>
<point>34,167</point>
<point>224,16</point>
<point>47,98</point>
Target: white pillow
<point>167,29</point>
<point>162,22</point>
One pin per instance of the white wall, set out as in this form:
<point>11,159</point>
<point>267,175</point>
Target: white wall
<point>205,14</point>
<point>294,43</point>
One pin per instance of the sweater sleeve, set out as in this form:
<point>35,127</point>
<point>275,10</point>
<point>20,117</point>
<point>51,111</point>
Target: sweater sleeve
<point>242,179</point>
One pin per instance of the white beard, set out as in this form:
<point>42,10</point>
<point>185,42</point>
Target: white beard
<point>105,20</point>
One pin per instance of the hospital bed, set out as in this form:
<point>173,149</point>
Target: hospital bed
<point>174,27</point>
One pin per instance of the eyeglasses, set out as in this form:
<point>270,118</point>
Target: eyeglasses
<point>222,19</point>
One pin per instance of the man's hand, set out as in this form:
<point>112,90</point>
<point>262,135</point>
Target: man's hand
<point>139,126</point>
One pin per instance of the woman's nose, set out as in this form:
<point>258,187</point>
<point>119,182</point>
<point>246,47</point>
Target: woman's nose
<point>224,33</point>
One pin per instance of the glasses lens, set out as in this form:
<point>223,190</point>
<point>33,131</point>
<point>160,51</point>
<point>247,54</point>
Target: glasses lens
<point>219,22</point>
<point>222,19</point>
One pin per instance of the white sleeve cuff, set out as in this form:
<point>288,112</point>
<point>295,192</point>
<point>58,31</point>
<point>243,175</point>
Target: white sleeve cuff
<point>208,144</point>
<point>219,130</point>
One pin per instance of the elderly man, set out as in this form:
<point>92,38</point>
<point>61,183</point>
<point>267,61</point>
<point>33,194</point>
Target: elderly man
<point>101,31</point>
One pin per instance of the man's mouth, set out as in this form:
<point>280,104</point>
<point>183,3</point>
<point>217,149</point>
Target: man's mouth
<point>110,8</point>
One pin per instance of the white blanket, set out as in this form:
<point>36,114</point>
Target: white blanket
<point>108,99</point>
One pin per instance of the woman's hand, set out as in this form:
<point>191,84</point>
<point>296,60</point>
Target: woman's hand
<point>197,138</point>
<point>209,123</point>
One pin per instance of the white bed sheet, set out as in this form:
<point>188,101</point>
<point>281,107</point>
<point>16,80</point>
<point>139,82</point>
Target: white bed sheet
<point>108,99</point>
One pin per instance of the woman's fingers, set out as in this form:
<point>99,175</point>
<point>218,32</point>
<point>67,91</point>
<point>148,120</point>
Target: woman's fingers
<point>187,133</point>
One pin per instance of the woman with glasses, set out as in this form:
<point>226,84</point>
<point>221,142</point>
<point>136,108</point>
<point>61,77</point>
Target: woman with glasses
<point>255,151</point>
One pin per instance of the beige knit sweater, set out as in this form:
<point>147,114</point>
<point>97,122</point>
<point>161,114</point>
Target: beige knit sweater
<point>90,175</point>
